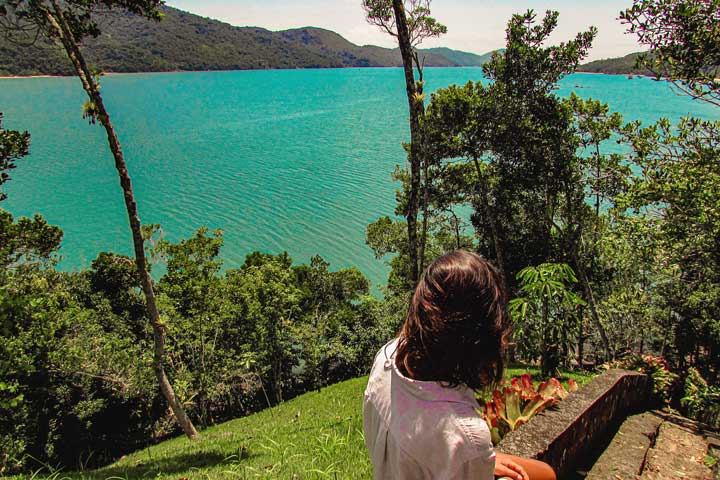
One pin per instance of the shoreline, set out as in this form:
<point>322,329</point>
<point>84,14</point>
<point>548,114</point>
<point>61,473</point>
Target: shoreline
<point>13,77</point>
<point>619,74</point>
<point>111,74</point>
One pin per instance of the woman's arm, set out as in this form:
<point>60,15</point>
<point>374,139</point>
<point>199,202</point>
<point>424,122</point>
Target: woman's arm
<point>518,468</point>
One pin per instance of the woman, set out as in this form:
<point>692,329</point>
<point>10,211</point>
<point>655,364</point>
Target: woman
<point>419,413</point>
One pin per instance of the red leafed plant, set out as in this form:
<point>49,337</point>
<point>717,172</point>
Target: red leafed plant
<point>518,401</point>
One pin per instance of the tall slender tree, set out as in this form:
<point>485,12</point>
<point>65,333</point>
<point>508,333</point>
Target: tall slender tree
<point>68,22</point>
<point>409,21</point>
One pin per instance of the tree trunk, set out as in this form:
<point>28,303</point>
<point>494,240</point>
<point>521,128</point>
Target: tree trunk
<point>456,227</point>
<point>491,216</point>
<point>423,163</point>
<point>416,109</point>
<point>59,24</point>
<point>581,339</point>
<point>642,342</point>
<point>424,231</point>
<point>549,358</point>
<point>587,289</point>
<point>276,360</point>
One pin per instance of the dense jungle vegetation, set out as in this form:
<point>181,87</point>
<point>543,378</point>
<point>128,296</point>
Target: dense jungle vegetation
<point>607,234</point>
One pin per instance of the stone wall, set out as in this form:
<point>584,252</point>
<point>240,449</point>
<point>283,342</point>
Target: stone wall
<point>580,425</point>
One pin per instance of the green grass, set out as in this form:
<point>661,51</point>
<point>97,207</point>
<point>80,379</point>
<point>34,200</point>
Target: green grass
<point>580,377</point>
<point>314,436</point>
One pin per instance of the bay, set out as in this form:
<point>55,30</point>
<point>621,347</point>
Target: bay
<point>284,160</point>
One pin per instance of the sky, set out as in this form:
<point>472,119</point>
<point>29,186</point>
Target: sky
<point>473,25</point>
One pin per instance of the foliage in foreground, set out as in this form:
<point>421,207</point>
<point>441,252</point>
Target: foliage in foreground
<point>683,37</point>
<point>608,234</point>
<point>701,400</point>
<point>316,435</point>
<point>698,399</point>
<point>663,379</point>
<point>76,350</point>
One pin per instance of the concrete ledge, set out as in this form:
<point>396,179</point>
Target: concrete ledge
<point>580,425</point>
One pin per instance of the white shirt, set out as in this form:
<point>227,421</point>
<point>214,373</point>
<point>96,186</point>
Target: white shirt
<point>421,430</point>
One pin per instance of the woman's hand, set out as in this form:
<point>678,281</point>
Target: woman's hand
<point>505,466</point>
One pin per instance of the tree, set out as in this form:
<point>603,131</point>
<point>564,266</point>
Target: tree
<point>524,159</point>
<point>601,178</point>
<point>189,295</point>
<point>269,306</point>
<point>329,329</point>
<point>678,189</point>
<point>679,182</point>
<point>410,23</point>
<point>684,41</point>
<point>525,67</point>
<point>13,146</point>
<point>27,242</point>
<point>69,22</point>
<point>634,275</point>
<point>508,149</point>
<point>27,248</point>
<point>542,313</point>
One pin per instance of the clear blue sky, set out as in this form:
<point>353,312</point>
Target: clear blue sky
<point>473,25</point>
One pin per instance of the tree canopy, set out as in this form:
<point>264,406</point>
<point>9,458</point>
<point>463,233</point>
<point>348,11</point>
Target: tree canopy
<point>683,37</point>
<point>13,146</point>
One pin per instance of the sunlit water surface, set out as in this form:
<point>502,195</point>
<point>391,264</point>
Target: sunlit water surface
<point>279,160</point>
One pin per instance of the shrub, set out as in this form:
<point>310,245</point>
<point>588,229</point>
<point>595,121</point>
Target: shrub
<point>701,401</point>
<point>656,367</point>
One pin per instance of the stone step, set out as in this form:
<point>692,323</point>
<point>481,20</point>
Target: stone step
<point>679,452</point>
<point>624,458</point>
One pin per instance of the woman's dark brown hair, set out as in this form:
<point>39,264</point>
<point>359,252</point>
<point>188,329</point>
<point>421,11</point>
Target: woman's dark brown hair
<point>457,324</point>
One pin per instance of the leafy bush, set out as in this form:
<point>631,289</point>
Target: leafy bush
<point>518,402</point>
<point>702,401</point>
<point>657,368</point>
<point>76,379</point>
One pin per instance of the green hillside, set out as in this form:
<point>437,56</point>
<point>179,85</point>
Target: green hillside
<point>620,66</point>
<point>461,58</point>
<point>184,41</point>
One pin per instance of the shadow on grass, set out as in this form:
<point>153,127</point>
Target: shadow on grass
<point>173,464</point>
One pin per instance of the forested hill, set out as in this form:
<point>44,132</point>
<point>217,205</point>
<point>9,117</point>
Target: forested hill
<point>184,41</point>
<point>621,66</point>
<point>461,58</point>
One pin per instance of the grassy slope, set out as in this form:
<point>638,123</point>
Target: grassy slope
<point>316,435</point>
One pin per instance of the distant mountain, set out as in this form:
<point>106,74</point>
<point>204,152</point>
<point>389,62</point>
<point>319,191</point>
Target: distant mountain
<point>620,66</point>
<point>184,41</point>
<point>461,58</point>
<point>342,53</point>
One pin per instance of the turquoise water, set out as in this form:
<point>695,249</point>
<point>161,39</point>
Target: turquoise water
<point>296,160</point>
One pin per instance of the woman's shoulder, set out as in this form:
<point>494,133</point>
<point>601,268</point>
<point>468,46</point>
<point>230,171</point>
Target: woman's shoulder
<point>473,427</point>
<point>384,357</point>
<point>382,366</point>
<point>446,436</point>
